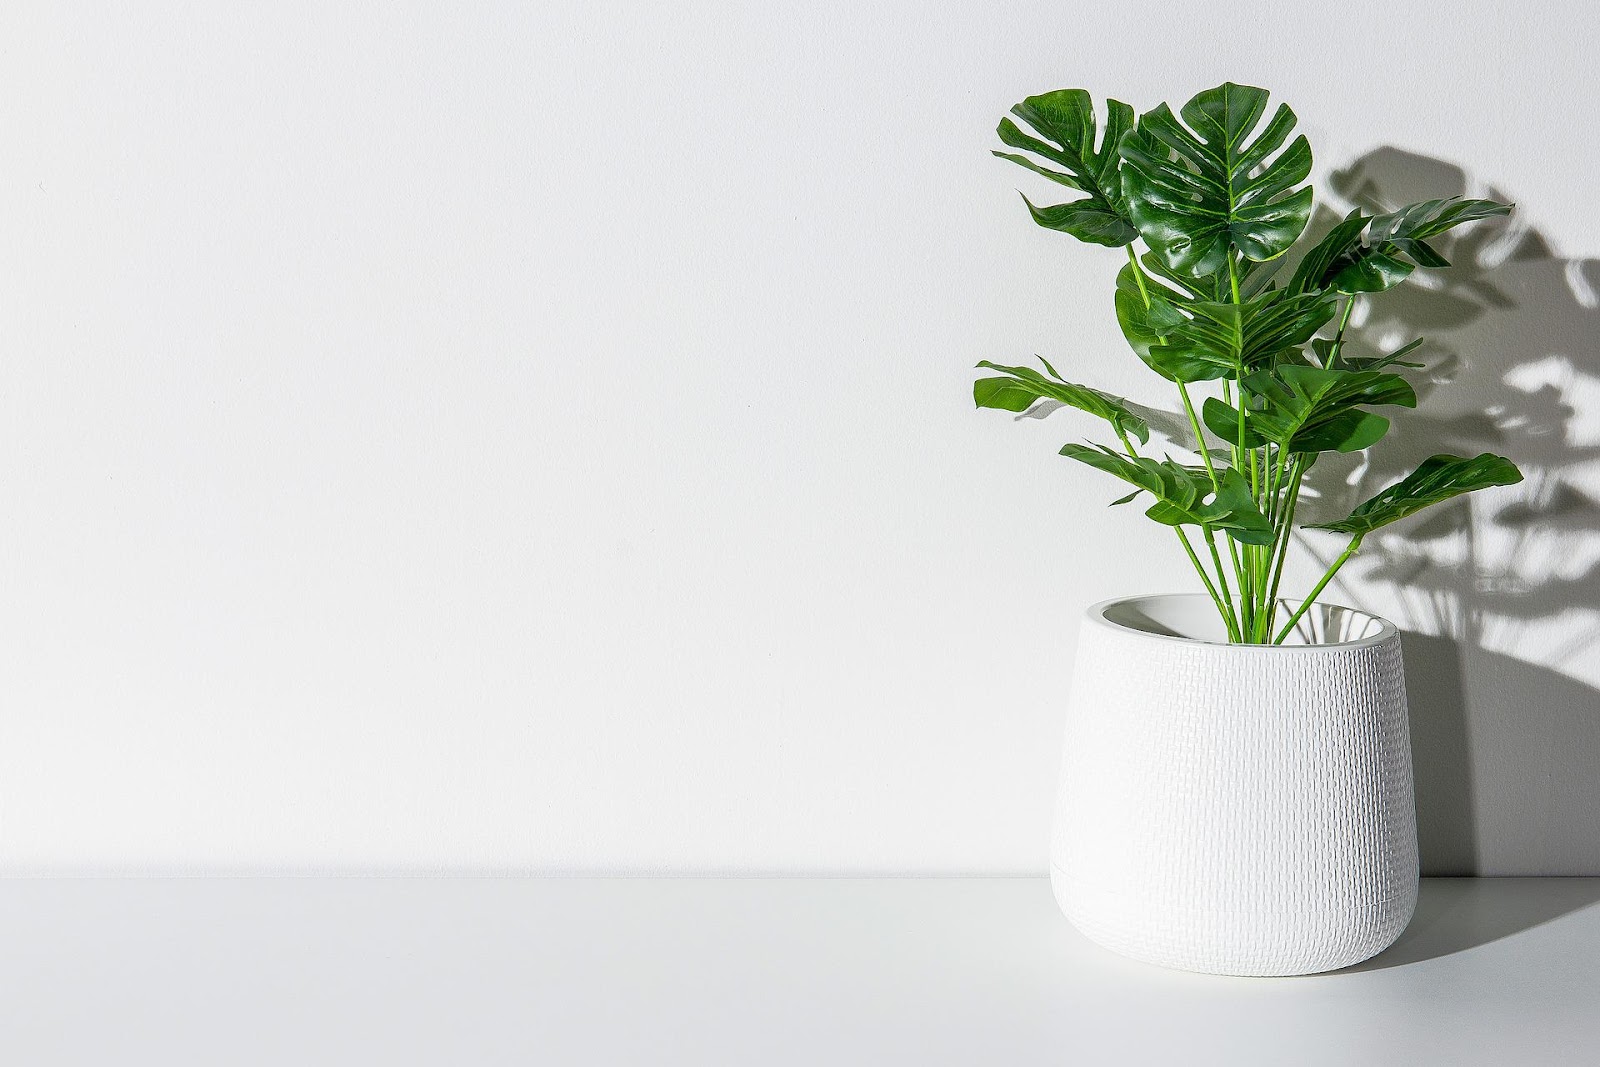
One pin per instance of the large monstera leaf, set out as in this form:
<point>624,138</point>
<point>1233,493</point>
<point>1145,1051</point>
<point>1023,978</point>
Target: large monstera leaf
<point>1199,187</point>
<point>1214,340</point>
<point>1309,409</point>
<point>1438,479</point>
<point>1022,387</point>
<point>1370,254</point>
<point>1183,494</point>
<point>1065,120</point>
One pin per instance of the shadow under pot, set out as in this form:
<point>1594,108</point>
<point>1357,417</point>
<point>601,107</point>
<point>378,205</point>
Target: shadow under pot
<point>1236,809</point>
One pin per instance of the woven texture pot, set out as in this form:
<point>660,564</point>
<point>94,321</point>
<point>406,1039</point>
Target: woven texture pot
<point>1236,809</point>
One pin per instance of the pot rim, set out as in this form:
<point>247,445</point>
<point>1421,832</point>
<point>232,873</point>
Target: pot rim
<point>1096,614</point>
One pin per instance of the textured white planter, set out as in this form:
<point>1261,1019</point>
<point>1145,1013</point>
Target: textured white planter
<point>1236,809</point>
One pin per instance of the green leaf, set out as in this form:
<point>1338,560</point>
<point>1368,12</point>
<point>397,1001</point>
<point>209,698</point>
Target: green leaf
<point>1065,120</point>
<point>1215,287</point>
<point>1223,420</point>
<point>1344,362</point>
<point>1182,493</point>
<point>1371,271</point>
<point>1314,266</point>
<point>1438,479</point>
<point>1215,339</point>
<point>1199,187</point>
<point>1024,386</point>
<point>1430,218</point>
<point>1255,277</point>
<point>1309,409</point>
<point>1232,510</point>
<point>1145,326</point>
<point>1395,244</point>
<point>1087,222</point>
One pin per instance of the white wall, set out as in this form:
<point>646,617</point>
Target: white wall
<point>508,436</point>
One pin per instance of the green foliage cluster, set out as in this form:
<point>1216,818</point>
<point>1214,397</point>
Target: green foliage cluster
<point>1217,195</point>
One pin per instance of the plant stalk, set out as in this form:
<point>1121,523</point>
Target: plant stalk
<point>1249,584</point>
<point>1350,550</point>
<point>1230,616</point>
<point>1199,437</point>
<point>1285,533</point>
<point>1338,337</point>
<point>1216,598</point>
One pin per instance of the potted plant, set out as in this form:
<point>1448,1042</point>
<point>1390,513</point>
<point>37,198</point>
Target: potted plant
<point>1236,790</point>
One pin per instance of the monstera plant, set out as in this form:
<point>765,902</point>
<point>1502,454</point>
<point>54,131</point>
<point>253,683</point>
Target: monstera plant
<point>1256,351</point>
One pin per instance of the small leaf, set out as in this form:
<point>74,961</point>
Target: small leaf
<point>1342,261</point>
<point>1255,277</point>
<point>1311,409</point>
<point>1024,385</point>
<point>1006,394</point>
<point>1371,272</point>
<point>1438,479</point>
<point>1223,420</point>
<point>1308,276</point>
<point>1065,123</point>
<point>1213,287</point>
<point>1181,493</point>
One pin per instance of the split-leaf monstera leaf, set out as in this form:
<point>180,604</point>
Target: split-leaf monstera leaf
<point>1309,409</point>
<point>1370,254</point>
<point>1208,187</point>
<point>1440,478</point>
<point>1065,121</point>
<point>1184,496</point>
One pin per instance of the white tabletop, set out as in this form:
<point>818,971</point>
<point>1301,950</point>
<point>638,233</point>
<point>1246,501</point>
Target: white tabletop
<point>748,971</point>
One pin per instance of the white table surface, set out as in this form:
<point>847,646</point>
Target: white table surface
<point>748,971</point>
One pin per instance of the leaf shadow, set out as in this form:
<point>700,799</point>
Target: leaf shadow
<point>1499,591</point>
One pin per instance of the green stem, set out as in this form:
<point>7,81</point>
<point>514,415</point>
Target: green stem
<point>1246,580</point>
<point>1199,437</point>
<point>1285,532</point>
<point>1272,480</point>
<point>1248,571</point>
<point>1235,632</point>
<point>1271,484</point>
<point>1216,598</point>
<point>1126,444</point>
<point>1277,466</point>
<point>1138,274</point>
<point>1216,486</point>
<point>1338,337</point>
<point>1355,543</point>
<point>1238,572</point>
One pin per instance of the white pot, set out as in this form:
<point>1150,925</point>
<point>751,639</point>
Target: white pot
<point>1236,809</point>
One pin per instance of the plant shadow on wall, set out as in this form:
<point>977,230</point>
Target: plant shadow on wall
<point>1498,594</point>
